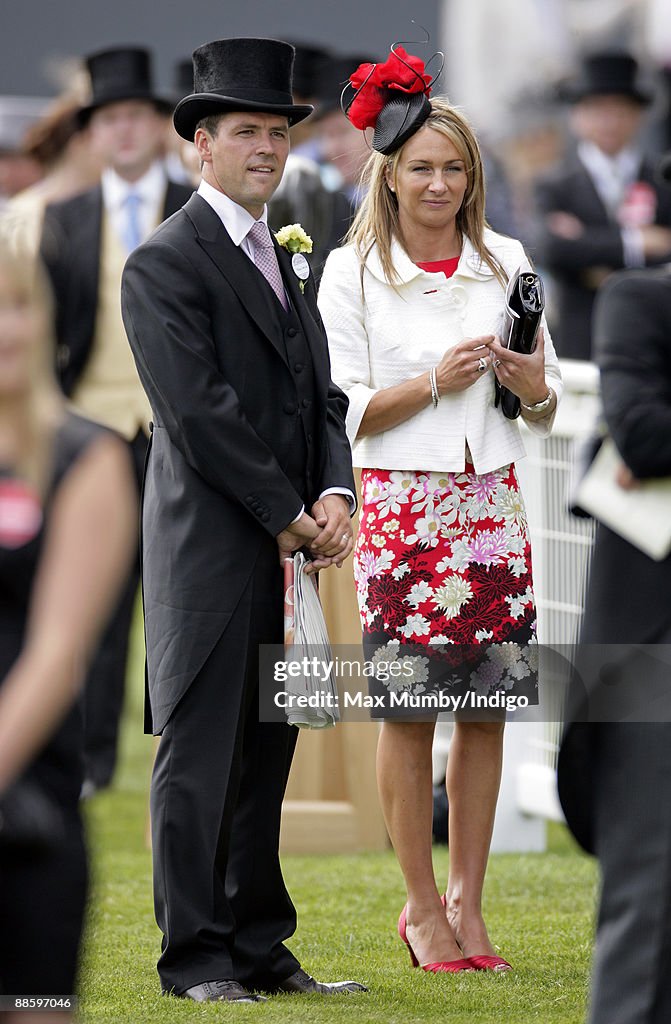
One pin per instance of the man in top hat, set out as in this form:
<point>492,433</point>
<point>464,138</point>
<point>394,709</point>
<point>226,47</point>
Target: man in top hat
<point>249,462</point>
<point>344,149</point>
<point>181,158</point>
<point>603,209</point>
<point>85,243</point>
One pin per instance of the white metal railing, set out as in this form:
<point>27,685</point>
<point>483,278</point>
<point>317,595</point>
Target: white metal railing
<point>561,551</point>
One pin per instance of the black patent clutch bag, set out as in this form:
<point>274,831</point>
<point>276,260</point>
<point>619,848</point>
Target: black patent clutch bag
<point>525,302</point>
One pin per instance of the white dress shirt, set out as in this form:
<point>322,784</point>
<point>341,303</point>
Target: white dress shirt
<point>238,222</point>
<point>151,191</point>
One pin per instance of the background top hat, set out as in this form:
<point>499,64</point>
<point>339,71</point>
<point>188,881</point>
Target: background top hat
<point>237,75</point>
<point>611,73</point>
<point>334,77</point>
<point>183,79</point>
<point>310,60</point>
<point>123,73</point>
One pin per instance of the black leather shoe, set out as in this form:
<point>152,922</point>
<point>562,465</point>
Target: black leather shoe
<point>220,992</point>
<point>301,981</point>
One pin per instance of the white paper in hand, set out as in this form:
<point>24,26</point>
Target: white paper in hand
<point>306,642</point>
<point>642,515</point>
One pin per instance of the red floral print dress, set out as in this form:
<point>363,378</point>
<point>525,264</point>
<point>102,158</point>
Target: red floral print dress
<point>442,566</point>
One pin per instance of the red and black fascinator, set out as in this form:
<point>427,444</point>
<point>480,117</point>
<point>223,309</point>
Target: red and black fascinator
<point>392,98</point>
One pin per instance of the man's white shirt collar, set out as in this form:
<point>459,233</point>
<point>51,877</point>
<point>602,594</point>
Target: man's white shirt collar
<point>150,187</point>
<point>235,218</point>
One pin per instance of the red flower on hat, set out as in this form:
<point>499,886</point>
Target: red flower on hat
<point>401,71</point>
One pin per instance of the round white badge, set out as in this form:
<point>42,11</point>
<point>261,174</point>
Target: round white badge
<point>300,266</point>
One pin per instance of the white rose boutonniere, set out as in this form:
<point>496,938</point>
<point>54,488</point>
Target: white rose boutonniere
<point>295,240</point>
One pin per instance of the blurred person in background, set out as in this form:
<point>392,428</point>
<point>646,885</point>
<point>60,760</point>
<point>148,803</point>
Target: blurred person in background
<point>614,776</point>
<point>18,170</point>
<point>412,304</point>
<point>343,149</point>
<point>303,195</point>
<point>310,65</point>
<point>67,534</point>
<point>531,147</point>
<point>181,158</point>
<point>85,243</point>
<point>602,209</point>
<point>63,149</point>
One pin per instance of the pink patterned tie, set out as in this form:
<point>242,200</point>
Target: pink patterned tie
<point>265,259</point>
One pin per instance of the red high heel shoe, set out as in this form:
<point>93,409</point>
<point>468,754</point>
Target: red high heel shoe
<point>484,962</point>
<point>442,966</point>
<point>490,963</point>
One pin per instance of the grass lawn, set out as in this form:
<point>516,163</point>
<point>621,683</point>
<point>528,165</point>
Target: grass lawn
<point>539,907</point>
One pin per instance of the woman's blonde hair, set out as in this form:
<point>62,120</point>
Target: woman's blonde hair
<point>44,406</point>
<point>377,220</point>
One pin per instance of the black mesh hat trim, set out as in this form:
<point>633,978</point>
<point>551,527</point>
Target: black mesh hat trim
<point>398,120</point>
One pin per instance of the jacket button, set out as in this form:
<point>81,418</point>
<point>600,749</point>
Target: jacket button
<point>265,517</point>
<point>289,408</point>
<point>291,332</point>
<point>305,403</point>
<point>298,367</point>
<point>250,500</point>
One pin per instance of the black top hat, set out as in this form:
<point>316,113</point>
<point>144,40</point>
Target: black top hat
<point>237,75</point>
<point>613,74</point>
<point>183,78</point>
<point>121,74</point>
<point>310,61</point>
<point>333,78</point>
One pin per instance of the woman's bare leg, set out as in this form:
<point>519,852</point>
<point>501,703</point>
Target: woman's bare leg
<point>404,776</point>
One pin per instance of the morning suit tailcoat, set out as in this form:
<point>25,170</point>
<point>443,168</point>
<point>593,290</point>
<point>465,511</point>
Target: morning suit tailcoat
<point>70,248</point>
<point>615,776</point>
<point>228,404</point>
<point>570,189</point>
<point>248,428</point>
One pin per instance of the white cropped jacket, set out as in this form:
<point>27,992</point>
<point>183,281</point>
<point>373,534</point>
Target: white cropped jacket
<point>389,335</point>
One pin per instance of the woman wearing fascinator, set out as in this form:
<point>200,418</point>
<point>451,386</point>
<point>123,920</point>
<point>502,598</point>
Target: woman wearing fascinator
<point>413,305</point>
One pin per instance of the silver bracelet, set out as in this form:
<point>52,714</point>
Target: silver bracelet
<point>435,396</point>
<point>542,405</point>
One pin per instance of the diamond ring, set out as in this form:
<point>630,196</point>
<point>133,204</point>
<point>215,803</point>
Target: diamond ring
<point>482,364</point>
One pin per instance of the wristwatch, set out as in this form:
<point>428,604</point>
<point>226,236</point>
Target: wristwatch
<point>542,405</point>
